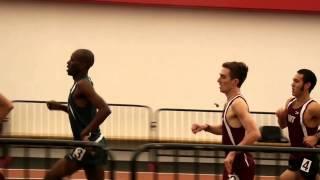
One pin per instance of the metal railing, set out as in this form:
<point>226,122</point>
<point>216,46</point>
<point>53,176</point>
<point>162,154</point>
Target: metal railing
<point>33,119</point>
<point>174,125</point>
<point>31,151</point>
<point>139,122</point>
<point>271,159</point>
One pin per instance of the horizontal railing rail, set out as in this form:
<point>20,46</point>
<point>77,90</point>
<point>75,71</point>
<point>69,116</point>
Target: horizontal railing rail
<point>154,148</point>
<point>32,118</point>
<point>48,145</point>
<point>174,124</point>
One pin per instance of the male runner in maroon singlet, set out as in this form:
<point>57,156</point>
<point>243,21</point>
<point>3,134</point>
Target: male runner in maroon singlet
<point>301,115</point>
<point>5,107</point>
<point>238,126</point>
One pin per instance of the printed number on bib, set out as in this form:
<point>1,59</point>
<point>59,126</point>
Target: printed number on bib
<point>78,153</point>
<point>306,164</point>
<point>233,177</point>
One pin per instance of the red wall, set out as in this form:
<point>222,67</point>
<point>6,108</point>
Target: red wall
<point>286,5</point>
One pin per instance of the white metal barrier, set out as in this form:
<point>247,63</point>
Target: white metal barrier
<point>33,119</point>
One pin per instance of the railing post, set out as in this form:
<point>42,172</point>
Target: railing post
<point>133,163</point>
<point>111,164</point>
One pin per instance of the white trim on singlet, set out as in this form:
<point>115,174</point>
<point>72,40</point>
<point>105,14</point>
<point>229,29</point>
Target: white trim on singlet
<point>290,102</point>
<point>71,91</point>
<point>99,138</point>
<point>72,113</point>
<point>228,128</point>
<point>303,109</point>
<point>69,106</point>
<point>246,159</point>
<point>73,87</point>
<point>225,119</point>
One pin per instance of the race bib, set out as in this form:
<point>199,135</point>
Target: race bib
<point>78,153</point>
<point>233,177</point>
<point>305,165</point>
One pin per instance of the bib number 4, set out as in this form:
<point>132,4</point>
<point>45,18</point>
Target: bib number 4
<point>306,164</point>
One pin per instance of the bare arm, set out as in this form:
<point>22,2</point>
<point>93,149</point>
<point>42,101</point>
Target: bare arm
<point>214,129</point>
<point>240,108</point>
<point>314,110</point>
<point>55,106</point>
<point>252,134</point>
<point>282,114</point>
<point>5,107</point>
<point>103,109</point>
<point>206,127</point>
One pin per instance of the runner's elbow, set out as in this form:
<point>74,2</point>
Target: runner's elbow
<point>257,135</point>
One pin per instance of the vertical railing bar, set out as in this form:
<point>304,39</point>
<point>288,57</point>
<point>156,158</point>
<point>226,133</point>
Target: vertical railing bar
<point>26,153</point>
<point>176,164</point>
<point>196,165</point>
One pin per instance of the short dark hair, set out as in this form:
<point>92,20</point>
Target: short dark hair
<point>86,56</point>
<point>238,70</point>
<point>308,76</point>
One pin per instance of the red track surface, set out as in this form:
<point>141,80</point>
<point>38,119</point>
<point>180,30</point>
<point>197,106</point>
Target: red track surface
<point>35,174</point>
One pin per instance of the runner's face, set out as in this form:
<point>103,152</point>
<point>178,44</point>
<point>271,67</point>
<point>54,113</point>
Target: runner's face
<point>225,81</point>
<point>73,65</point>
<point>297,85</point>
